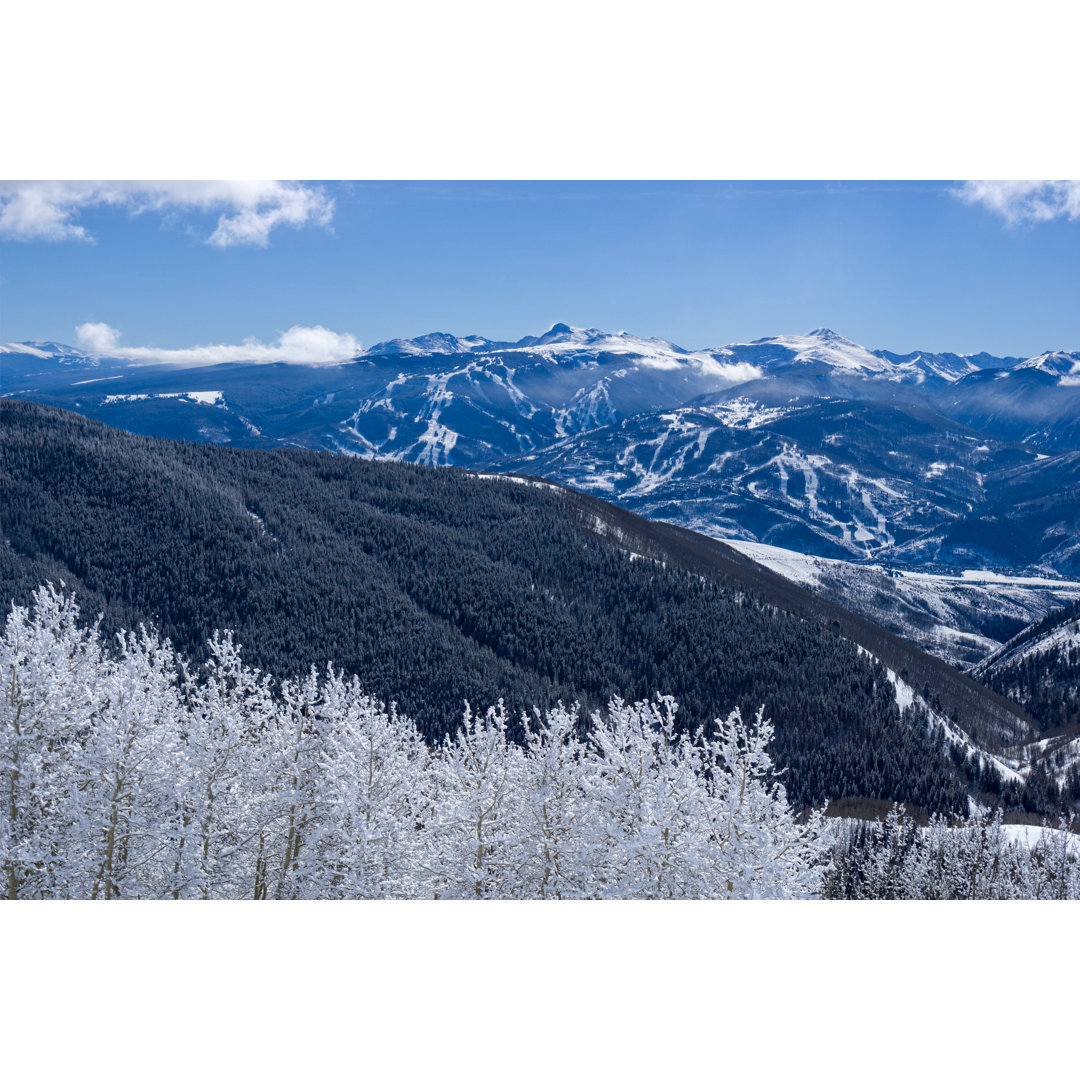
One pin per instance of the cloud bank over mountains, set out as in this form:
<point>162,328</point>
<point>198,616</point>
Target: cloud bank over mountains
<point>248,210</point>
<point>310,345</point>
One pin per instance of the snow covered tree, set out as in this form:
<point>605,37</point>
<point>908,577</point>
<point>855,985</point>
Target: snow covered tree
<point>225,768</point>
<point>473,842</point>
<point>651,833</point>
<point>121,802</point>
<point>760,850</point>
<point>558,821</point>
<point>372,782</point>
<point>127,774</point>
<point>49,668</point>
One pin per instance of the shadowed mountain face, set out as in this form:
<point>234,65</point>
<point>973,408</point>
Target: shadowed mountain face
<point>438,586</point>
<point>811,442</point>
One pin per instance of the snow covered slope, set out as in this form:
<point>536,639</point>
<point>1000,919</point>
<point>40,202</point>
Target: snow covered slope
<point>821,348</point>
<point>47,350</point>
<point>1040,669</point>
<point>1055,364</point>
<point>1061,633</point>
<point>840,479</point>
<point>472,405</point>
<point>963,618</point>
<point>826,351</point>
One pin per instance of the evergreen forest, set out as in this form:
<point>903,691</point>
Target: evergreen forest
<point>439,588</point>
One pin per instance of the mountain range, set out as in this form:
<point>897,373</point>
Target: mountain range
<point>898,463</point>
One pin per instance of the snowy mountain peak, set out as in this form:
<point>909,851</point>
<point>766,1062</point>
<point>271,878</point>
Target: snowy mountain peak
<point>821,347</point>
<point>48,350</point>
<point>39,348</point>
<point>1057,364</point>
<point>23,349</point>
<point>563,332</point>
<point>437,343</point>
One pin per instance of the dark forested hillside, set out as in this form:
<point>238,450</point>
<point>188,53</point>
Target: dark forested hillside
<point>438,586</point>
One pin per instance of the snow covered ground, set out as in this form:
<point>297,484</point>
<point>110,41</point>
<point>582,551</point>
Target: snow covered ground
<point>200,397</point>
<point>1030,835</point>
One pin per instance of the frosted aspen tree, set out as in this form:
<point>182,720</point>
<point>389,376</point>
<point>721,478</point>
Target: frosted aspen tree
<point>49,667</point>
<point>472,835</point>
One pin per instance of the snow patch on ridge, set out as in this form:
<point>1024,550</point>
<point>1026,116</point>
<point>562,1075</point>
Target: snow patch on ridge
<point>200,397</point>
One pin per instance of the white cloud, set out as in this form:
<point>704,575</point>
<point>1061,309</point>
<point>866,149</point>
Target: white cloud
<point>734,373</point>
<point>248,210</point>
<point>97,338</point>
<point>313,345</point>
<point>1020,201</point>
<point>743,372</point>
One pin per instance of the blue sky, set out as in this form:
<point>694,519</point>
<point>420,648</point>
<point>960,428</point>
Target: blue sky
<point>896,265</point>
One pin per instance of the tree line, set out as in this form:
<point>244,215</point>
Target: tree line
<point>895,859</point>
